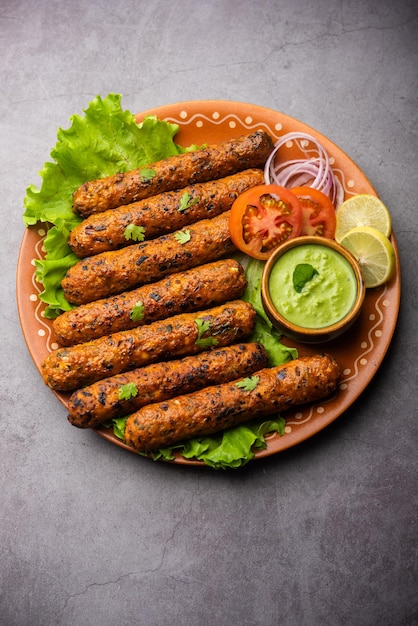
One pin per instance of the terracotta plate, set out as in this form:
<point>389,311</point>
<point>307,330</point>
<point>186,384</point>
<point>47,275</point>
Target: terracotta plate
<point>360,352</point>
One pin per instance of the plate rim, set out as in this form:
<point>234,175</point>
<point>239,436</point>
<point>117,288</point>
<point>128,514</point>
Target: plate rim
<point>165,112</point>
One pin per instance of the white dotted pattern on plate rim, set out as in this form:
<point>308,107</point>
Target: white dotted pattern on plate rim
<point>367,346</point>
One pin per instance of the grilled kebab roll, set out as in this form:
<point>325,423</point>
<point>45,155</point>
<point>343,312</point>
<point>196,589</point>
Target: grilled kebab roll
<point>222,406</point>
<point>160,214</point>
<point>214,161</point>
<point>67,369</point>
<point>116,271</point>
<point>196,289</point>
<point>101,401</point>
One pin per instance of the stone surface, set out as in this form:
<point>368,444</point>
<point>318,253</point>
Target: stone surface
<point>323,534</point>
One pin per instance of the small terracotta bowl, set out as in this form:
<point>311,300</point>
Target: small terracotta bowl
<point>350,271</point>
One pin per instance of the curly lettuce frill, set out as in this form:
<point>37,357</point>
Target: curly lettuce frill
<point>104,141</point>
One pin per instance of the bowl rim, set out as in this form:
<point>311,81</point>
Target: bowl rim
<point>303,331</point>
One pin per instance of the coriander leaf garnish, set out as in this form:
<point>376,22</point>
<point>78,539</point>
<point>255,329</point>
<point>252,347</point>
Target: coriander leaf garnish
<point>248,384</point>
<point>146,174</point>
<point>128,391</point>
<point>182,236</point>
<point>302,274</point>
<point>186,201</point>
<point>132,231</point>
<point>137,312</point>
<point>202,327</point>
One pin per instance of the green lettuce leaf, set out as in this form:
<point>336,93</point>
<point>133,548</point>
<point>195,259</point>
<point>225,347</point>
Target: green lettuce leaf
<point>119,424</point>
<point>50,271</point>
<point>104,141</point>
<point>230,449</point>
<point>270,338</point>
<point>252,294</point>
<point>234,447</point>
<point>264,333</point>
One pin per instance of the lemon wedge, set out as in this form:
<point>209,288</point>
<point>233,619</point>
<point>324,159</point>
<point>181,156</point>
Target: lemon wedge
<point>374,252</point>
<point>362,210</point>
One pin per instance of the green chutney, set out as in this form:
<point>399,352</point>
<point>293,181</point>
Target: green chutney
<point>325,298</point>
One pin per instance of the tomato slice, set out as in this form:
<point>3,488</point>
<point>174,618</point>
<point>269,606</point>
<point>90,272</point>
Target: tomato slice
<point>318,213</point>
<point>263,217</point>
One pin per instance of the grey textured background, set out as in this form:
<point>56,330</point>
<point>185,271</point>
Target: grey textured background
<point>324,534</point>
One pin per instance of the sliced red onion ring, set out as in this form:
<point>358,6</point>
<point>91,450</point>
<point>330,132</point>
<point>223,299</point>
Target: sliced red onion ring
<point>315,171</point>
